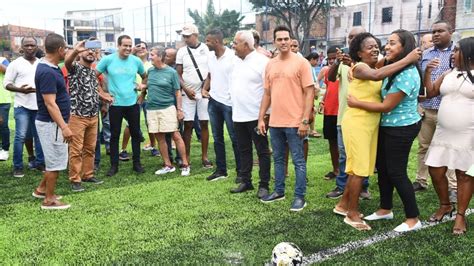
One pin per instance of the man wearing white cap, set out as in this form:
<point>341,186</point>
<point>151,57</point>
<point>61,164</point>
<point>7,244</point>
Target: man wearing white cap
<point>191,65</point>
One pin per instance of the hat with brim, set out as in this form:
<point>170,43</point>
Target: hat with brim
<point>189,29</point>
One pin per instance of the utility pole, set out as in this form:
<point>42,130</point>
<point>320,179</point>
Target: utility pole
<point>370,15</point>
<point>151,24</point>
<point>420,6</point>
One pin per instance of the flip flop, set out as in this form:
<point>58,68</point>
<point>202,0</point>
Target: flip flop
<point>343,213</point>
<point>361,226</point>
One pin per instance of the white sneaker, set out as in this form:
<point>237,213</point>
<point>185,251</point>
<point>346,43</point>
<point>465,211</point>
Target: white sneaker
<point>165,170</point>
<point>147,148</point>
<point>3,155</point>
<point>374,216</point>
<point>186,171</point>
<point>405,228</point>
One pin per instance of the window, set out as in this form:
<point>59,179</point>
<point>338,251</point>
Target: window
<point>387,14</point>
<point>468,6</point>
<point>84,35</point>
<point>429,10</point>
<point>357,19</point>
<point>337,22</point>
<point>109,37</point>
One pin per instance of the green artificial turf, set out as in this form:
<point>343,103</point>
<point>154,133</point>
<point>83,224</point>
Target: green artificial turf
<point>145,219</point>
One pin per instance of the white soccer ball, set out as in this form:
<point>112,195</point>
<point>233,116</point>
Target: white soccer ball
<point>287,253</point>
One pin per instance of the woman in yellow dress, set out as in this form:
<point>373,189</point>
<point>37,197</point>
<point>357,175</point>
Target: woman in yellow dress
<point>360,127</point>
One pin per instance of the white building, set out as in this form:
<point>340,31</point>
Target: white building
<point>465,17</point>
<point>381,17</point>
<point>104,24</point>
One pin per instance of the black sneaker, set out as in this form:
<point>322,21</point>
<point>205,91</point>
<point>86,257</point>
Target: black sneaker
<point>40,167</point>
<point>93,180</point>
<point>216,176</point>
<point>417,186</point>
<point>76,187</point>
<point>18,173</point>
<point>262,193</point>
<point>298,204</point>
<point>138,168</point>
<point>335,194</point>
<point>113,170</point>
<point>123,156</point>
<point>273,197</point>
<point>238,180</point>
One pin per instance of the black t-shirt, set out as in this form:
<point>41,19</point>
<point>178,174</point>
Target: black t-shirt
<point>49,80</point>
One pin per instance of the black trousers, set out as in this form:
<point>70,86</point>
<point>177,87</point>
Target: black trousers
<point>132,115</point>
<point>245,136</point>
<point>393,149</point>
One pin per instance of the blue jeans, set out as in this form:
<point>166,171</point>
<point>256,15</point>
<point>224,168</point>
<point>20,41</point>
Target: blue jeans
<point>25,126</point>
<point>4,129</point>
<point>341,179</point>
<point>279,138</point>
<point>218,115</point>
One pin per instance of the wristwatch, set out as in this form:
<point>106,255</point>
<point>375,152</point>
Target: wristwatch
<point>305,122</point>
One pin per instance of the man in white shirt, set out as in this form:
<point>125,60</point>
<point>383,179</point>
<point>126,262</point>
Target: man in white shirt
<point>246,89</point>
<point>193,79</point>
<point>220,62</point>
<point>20,79</point>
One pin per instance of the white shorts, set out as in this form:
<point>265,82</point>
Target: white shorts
<point>191,106</point>
<point>162,121</point>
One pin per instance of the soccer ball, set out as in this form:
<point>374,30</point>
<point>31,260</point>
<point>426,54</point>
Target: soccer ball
<point>287,253</point>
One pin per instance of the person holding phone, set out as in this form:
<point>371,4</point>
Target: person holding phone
<point>84,89</point>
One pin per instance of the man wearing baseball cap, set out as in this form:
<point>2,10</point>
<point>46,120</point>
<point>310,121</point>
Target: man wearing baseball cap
<point>191,65</point>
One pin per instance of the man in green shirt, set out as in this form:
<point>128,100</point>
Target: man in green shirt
<point>5,104</point>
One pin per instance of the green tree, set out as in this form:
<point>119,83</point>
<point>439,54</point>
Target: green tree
<point>297,15</point>
<point>228,21</point>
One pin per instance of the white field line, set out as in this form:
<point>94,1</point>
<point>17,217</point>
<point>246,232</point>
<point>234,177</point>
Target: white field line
<point>353,245</point>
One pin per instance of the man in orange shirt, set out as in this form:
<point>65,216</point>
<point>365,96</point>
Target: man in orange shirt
<point>289,88</point>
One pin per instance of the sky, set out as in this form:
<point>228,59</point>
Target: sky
<point>48,14</point>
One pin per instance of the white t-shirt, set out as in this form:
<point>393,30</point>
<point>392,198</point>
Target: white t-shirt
<point>21,72</point>
<point>221,70</point>
<point>246,87</point>
<point>190,76</point>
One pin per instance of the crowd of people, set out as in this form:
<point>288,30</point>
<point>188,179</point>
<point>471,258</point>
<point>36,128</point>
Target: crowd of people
<point>376,102</point>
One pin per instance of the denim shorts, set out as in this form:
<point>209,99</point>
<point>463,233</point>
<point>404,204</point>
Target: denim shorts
<point>55,150</point>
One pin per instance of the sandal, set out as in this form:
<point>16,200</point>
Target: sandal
<point>315,134</point>
<point>330,176</point>
<point>459,231</point>
<point>207,164</point>
<point>434,219</point>
<point>361,226</point>
<point>343,213</point>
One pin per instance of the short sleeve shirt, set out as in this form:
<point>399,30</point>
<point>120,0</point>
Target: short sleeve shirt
<point>5,96</point>
<point>190,76</point>
<point>83,87</point>
<point>121,76</point>
<point>405,113</point>
<point>162,86</point>
<point>444,56</point>
<point>286,79</point>
<point>49,80</point>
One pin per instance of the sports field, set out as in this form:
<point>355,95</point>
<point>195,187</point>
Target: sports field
<point>148,219</point>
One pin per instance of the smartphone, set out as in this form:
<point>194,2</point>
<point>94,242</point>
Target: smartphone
<point>345,50</point>
<point>95,44</point>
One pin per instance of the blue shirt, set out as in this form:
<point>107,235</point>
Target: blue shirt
<point>121,76</point>
<point>50,80</point>
<point>444,56</point>
<point>405,113</point>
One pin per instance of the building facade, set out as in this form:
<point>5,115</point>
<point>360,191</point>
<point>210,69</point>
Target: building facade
<point>104,24</point>
<point>11,36</point>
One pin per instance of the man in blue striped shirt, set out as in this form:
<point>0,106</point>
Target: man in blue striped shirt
<point>442,49</point>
